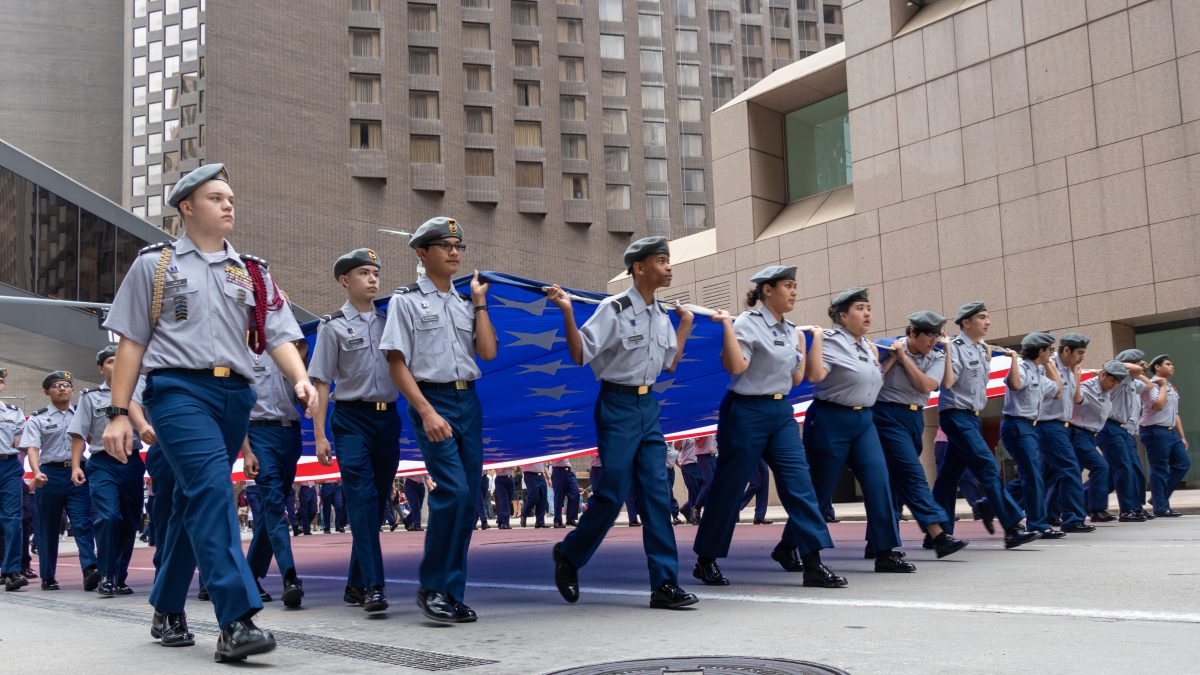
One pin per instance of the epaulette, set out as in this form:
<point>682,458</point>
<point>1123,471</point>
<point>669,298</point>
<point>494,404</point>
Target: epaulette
<point>959,341</point>
<point>406,289</point>
<point>156,247</point>
<point>85,392</point>
<point>662,307</point>
<point>790,322</point>
<point>330,317</point>
<point>247,256</point>
<point>622,303</point>
<point>830,332</point>
<point>40,411</point>
<point>465,296</point>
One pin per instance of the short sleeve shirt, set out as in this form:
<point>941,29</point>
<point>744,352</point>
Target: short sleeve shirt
<point>347,352</point>
<point>771,348</point>
<point>46,430</point>
<point>1027,400</point>
<point>90,419</point>
<point>627,341</point>
<point>1060,408</point>
<point>1094,408</point>
<point>854,377</point>
<point>972,369</point>
<point>12,423</point>
<point>434,331</point>
<point>275,397</point>
<point>898,388</point>
<point>1127,404</point>
<point>1159,418</point>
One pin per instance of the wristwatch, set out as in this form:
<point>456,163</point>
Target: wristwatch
<point>113,411</point>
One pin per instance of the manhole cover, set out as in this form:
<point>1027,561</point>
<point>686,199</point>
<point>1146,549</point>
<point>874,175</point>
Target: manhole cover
<point>706,665</point>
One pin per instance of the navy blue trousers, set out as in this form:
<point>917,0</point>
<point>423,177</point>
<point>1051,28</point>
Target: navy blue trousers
<point>750,431</point>
<point>566,489</point>
<point>455,465</point>
<point>536,502</point>
<point>1095,491</point>
<point>837,437</point>
<point>632,451</point>
<point>278,450</point>
<point>1020,438</point>
<point>759,488</point>
<point>1119,447</point>
<point>1064,477</point>
<point>504,496</point>
<point>57,495</point>
<point>308,508</point>
<point>967,485</point>
<point>632,500</point>
<point>12,497</point>
<point>900,432</point>
<point>162,479</point>
<point>368,452</point>
<point>481,507</point>
<point>331,497</point>
<point>671,484</point>
<point>966,449</point>
<point>116,492</point>
<point>414,494</point>
<point>1169,462</point>
<point>201,422</point>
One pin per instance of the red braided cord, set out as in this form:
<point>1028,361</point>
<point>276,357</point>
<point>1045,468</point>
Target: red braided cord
<point>258,327</point>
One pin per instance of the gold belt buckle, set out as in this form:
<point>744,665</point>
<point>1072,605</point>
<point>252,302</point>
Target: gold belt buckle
<point>777,396</point>
<point>644,389</point>
<point>220,371</point>
<point>977,413</point>
<point>857,407</point>
<point>460,384</point>
<point>1035,423</point>
<point>380,405</point>
<point>913,406</point>
<point>1066,424</point>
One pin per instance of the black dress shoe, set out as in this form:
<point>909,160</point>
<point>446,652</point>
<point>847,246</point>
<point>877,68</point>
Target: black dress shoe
<point>504,527</point>
<point>1051,533</point>
<point>484,526</point>
<point>670,596</point>
<point>763,521</point>
<point>324,531</point>
<point>869,552</point>
<point>1169,513</point>
<point>293,592</point>
<point>241,639</point>
<point>687,515</point>
<point>788,558</point>
<point>341,530</point>
<point>1054,522</point>
<point>352,596</point>
<point>107,588</point>
<point>373,599</point>
<point>28,573</point>
<point>262,592</point>
<point>49,585</point>
<point>1102,517</point>
<point>174,631</point>
<point>635,524</point>
<point>441,607</point>
<point>122,589</point>
<point>676,520</point>
<point>202,594</point>
<point>566,576</point>
<point>464,614</point>
<point>889,561</point>
<point>523,522</point>
<point>1079,528</point>
<point>91,578</point>
<point>988,515</point>
<point>393,528</point>
<point>830,520</point>
<point>559,526</point>
<point>820,576</point>
<point>14,582</point>
<point>927,542</point>
<point>295,532</point>
<point>946,544</point>
<point>1147,515</point>
<point>572,523</point>
<point>1019,536</point>
<point>708,573</point>
<point>1131,517</point>
<point>156,626</point>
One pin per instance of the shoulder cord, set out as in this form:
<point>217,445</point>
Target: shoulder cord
<point>160,280</point>
<point>258,320</point>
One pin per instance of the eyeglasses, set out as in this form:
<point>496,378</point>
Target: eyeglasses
<point>447,247</point>
<point>62,385</point>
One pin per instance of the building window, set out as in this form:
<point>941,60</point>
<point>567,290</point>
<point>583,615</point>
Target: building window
<point>156,51</point>
<point>752,67</point>
<point>570,30</point>
<point>719,21</point>
<point>139,186</point>
<point>572,108</point>
<point>479,78</point>
<point>153,144</point>
<point>422,61</point>
<point>781,17</point>
<point>477,36</point>
<point>616,159</point>
<point>479,162</point>
<point>366,135</point>
<point>658,206</point>
<point>527,134</point>
<point>187,115</point>
<point>750,7</point>
<point>154,174</point>
<point>190,50</point>
<point>156,23</point>
<point>170,98</point>
<point>188,82</point>
<point>781,49</point>
<point>425,150</point>
<point>691,145</point>
<point>650,26</point>
<point>139,66</point>
<point>423,105</point>
<point>477,3</point>
<point>722,55</point>
<point>529,175</point>
<point>652,61</point>
<point>575,186</point>
<point>189,148</point>
<point>654,133</point>
<point>479,120</point>
<point>833,15</point>
<point>612,46</point>
<point>685,9</point>
<point>526,54</point>
<point>689,110</point>
<point>616,197</point>
<point>190,18</point>
<point>656,170</point>
<point>171,66</point>
<point>139,125</point>
<point>528,93</point>
<point>817,147</point>
<point>365,88</point>
<point>139,8</point>
<point>808,31</point>
<point>616,121</point>
<point>171,130</point>
<point>751,36</point>
<point>610,10</point>
<point>139,155</point>
<point>422,18</point>
<point>612,83</point>
<point>364,5</point>
<point>364,42</point>
<point>689,75</point>
<point>722,88</point>
<point>832,39</point>
<point>654,98</point>
<point>570,69</point>
<point>574,146</point>
<point>694,216</point>
<point>687,41</point>
<point>524,14</point>
<point>139,36</point>
<point>171,35</point>
<point>155,82</point>
<point>693,180</point>
<point>170,161</point>
<point>139,96</point>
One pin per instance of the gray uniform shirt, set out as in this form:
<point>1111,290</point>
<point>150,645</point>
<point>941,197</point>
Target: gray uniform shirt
<point>897,388</point>
<point>1057,409</point>
<point>771,348</point>
<point>1035,386</point>
<point>46,430</point>
<point>1093,410</point>
<point>854,377</point>
<point>561,462</point>
<point>347,352</point>
<point>536,467</point>
<point>275,396</point>
<point>628,342</point>
<point>90,421</point>
<point>138,390</point>
<point>206,308</point>
<point>687,451</point>
<point>12,423</point>
<point>972,368</point>
<point>1159,418</point>
<point>1127,404</point>
<point>434,331</point>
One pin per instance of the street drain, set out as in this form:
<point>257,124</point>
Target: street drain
<point>365,651</point>
<point>706,665</point>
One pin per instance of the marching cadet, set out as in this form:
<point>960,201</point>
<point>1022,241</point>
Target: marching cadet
<point>505,492</point>
<point>958,412</point>
<point>307,503</point>
<point>365,425</point>
<point>1093,403</point>
<point>1027,385</point>
<point>47,441</point>
<point>414,496</point>
<point>12,493</point>
<point>481,507</point>
<point>1064,485</point>
<point>764,354</point>
<point>274,440</point>
<point>533,476</point>
<point>566,489</point>
<point>1118,439</point>
<point>628,341</point>
<point>913,369</point>
<point>332,498</point>
<point>432,336</point>
<point>1161,432</point>
<point>115,488</point>
<point>182,312</point>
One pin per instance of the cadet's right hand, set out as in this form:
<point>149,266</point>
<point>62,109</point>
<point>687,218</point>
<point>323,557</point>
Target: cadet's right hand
<point>77,476</point>
<point>436,428</point>
<point>721,315</point>
<point>324,451</point>
<point>118,439</point>
<point>148,436</point>
<point>39,479</point>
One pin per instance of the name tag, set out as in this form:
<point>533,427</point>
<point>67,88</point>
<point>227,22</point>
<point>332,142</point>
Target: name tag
<point>260,369</point>
<point>430,318</point>
<point>354,342</point>
<point>779,343</point>
<point>636,338</point>
<point>51,426</point>
<point>863,359</point>
<point>973,363</point>
<point>175,283</point>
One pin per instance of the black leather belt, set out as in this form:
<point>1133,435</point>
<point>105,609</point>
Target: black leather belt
<point>564,468</point>
<point>457,385</point>
<point>272,423</point>
<point>855,408</point>
<point>759,397</point>
<point>1083,429</point>
<point>892,404</point>
<point>219,371</point>
<point>4,457</point>
<point>1023,419</point>
<point>952,411</point>
<point>625,388</point>
<point>376,406</point>
<point>59,465</point>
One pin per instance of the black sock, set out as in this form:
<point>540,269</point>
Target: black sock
<point>811,559</point>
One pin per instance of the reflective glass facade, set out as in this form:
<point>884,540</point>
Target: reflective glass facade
<point>818,147</point>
